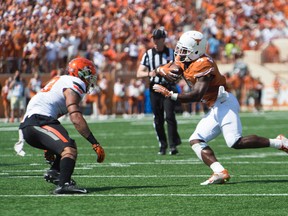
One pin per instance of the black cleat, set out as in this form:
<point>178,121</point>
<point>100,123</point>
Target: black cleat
<point>173,151</point>
<point>162,151</point>
<point>69,188</point>
<point>52,176</point>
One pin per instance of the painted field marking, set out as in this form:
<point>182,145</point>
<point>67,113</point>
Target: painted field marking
<point>150,195</point>
<point>6,175</point>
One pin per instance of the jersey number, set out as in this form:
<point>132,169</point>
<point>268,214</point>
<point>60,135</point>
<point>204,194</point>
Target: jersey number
<point>49,85</point>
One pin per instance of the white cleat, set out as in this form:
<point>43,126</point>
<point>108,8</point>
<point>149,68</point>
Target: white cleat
<point>284,146</point>
<point>217,178</point>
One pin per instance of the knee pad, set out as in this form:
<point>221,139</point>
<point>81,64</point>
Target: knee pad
<point>198,147</point>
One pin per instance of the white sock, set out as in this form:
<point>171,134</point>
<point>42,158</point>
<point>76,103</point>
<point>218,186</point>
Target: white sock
<point>217,167</point>
<point>275,143</point>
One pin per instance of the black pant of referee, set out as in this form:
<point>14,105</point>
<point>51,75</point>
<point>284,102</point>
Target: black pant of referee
<point>164,109</point>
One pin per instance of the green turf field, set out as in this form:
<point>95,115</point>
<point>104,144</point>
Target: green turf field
<point>134,180</point>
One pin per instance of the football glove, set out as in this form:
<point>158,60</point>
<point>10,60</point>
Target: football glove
<point>100,152</point>
<point>49,157</point>
<point>18,147</point>
<point>162,90</point>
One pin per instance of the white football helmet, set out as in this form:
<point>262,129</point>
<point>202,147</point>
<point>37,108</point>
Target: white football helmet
<point>190,46</point>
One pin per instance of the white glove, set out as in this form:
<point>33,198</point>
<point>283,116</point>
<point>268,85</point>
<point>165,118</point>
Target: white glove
<point>18,147</point>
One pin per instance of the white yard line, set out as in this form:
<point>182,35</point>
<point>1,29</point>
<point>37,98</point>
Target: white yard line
<point>85,166</point>
<point>6,175</point>
<point>151,195</point>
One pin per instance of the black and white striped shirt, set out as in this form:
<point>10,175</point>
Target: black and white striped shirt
<point>153,59</point>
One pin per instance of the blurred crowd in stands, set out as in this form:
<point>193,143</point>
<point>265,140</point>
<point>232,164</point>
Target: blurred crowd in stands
<point>41,36</point>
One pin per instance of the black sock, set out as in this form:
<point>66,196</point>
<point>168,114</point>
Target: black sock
<point>56,163</point>
<point>66,170</point>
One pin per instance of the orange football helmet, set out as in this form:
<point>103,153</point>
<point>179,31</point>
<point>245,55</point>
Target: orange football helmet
<point>85,70</point>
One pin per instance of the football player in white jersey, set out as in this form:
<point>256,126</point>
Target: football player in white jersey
<point>41,129</point>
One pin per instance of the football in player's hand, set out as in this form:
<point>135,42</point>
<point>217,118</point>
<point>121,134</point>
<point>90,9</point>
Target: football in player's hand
<point>172,72</point>
<point>176,69</point>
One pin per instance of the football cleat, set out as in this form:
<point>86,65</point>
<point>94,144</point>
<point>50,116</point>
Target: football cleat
<point>173,151</point>
<point>69,188</point>
<point>162,151</point>
<point>284,146</point>
<point>52,176</point>
<point>217,178</point>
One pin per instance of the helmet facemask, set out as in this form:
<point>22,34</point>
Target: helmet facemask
<point>183,53</point>
<point>92,83</point>
<point>85,70</point>
<point>86,75</point>
<point>190,46</point>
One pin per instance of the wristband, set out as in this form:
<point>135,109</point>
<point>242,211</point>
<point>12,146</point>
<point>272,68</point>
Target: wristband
<point>174,96</point>
<point>92,139</point>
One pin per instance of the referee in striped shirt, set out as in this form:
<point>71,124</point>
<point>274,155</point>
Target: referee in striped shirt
<point>162,107</point>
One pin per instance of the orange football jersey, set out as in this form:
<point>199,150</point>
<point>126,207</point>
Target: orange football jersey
<point>204,66</point>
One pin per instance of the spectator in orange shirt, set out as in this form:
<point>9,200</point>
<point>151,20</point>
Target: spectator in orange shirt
<point>248,91</point>
<point>111,57</point>
<point>277,88</point>
<point>271,54</point>
<point>5,99</point>
<point>235,83</point>
<point>93,98</point>
<point>19,39</point>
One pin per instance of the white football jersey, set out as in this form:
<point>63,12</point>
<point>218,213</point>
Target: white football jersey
<point>50,101</point>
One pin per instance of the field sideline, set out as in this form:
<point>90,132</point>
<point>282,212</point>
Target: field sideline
<point>134,180</point>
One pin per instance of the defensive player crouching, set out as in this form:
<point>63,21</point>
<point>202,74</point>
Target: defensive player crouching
<point>42,130</point>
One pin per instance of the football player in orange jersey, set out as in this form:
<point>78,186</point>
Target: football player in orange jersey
<point>209,86</point>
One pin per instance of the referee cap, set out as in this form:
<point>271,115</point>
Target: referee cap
<point>158,33</point>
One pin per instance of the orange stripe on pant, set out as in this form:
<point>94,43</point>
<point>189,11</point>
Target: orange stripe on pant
<point>54,131</point>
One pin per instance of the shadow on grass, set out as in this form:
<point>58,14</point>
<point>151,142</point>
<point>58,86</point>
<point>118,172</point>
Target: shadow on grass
<point>11,165</point>
<point>91,190</point>
<point>258,181</point>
